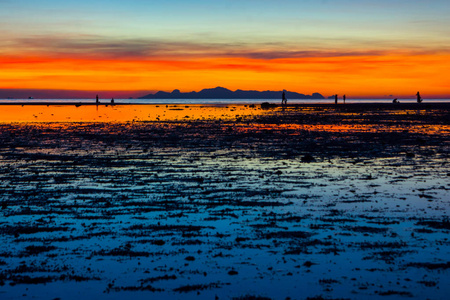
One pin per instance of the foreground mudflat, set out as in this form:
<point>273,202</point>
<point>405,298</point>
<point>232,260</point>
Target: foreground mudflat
<point>305,202</point>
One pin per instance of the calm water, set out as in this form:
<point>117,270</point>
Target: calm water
<point>213,101</point>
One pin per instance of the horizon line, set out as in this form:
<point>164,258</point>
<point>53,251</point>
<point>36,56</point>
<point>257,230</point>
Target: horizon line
<point>26,93</point>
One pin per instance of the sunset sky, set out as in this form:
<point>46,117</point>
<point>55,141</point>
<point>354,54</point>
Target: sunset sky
<point>129,48</point>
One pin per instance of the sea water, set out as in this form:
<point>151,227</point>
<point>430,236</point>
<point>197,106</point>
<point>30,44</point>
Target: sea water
<point>213,101</point>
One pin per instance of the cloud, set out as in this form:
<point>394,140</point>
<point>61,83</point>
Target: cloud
<point>276,54</point>
<point>98,47</point>
<point>82,46</point>
<point>101,47</point>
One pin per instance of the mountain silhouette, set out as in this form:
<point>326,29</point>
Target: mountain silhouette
<point>223,93</point>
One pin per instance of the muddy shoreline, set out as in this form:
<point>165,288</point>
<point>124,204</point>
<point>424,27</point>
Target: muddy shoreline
<point>306,202</point>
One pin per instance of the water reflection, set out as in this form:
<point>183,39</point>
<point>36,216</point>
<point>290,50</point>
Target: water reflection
<point>120,113</point>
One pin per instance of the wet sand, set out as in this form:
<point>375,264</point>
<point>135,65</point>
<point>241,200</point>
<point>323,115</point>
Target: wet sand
<point>226,202</point>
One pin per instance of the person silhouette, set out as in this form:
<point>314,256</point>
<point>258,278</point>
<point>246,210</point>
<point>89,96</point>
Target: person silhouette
<point>419,99</point>
<point>283,98</point>
<point>96,99</point>
<point>112,100</point>
<point>335,99</point>
<point>343,98</point>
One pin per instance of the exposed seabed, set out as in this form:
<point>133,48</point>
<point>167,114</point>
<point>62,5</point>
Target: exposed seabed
<point>300,202</point>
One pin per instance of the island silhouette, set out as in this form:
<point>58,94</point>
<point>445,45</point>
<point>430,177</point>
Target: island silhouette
<point>224,93</point>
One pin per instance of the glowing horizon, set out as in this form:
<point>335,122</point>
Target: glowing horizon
<point>358,48</point>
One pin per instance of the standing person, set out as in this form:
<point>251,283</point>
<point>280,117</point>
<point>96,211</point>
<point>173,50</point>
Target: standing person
<point>335,99</point>
<point>96,99</point>
<point>343,97</point>
<point>419,99</point>
<point>283,98</point>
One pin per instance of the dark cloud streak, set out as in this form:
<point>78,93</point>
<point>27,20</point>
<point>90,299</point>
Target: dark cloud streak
<point>68,94</point>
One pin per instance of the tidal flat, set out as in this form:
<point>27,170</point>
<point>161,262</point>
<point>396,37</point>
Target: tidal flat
<point>225,202</point>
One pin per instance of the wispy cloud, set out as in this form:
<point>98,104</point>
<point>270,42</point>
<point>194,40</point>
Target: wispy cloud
<point>98,47</point>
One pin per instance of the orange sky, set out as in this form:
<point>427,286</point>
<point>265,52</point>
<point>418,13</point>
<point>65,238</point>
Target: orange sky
<point>383,74</point>
<point>360,48</point>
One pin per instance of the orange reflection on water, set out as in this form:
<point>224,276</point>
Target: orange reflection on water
<point>350,128</point>
<point>120,113</point>
<point>243,117</point>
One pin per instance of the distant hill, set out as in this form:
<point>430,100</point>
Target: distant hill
<point>223,93</point>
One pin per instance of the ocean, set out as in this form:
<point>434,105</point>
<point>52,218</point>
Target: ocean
<point>210,101</point>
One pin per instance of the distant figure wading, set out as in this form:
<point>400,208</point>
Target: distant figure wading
<point>343,98</point>
<point>419,99</point>
<point>96,99</point>
<point>335,99</point>
<point>283,98</point>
